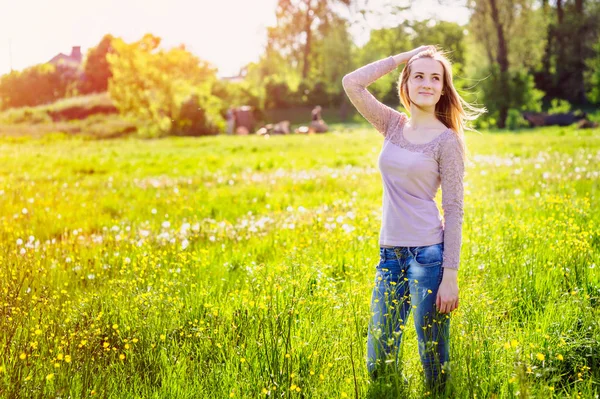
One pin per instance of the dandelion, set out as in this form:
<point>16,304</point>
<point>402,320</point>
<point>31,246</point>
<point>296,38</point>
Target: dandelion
<point>22,356</point>
<point>50,377</point>
<point>163,337</point>
<point>122,356</point>
<point>67,358</point>
<point>540,357</point>
<point>560,357</point>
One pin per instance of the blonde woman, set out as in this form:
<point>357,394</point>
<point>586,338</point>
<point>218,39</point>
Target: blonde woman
<point>419,250</point>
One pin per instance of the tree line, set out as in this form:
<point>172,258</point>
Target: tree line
<point>512,56</point>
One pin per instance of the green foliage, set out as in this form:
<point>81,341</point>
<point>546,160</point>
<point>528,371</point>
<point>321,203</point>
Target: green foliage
<point>336,51</point>
<point>593,76</point>
<point>235,94</point>
<point>515,120</point>
<point>523,95</point>
<point>558,106</point>
<point>96,69</point>
<point>36,85</point>
<point>64,109</point>
<point>277,94</point>
<point>152,86</point>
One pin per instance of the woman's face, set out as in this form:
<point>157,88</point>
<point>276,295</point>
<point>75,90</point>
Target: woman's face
<point>426,82</point>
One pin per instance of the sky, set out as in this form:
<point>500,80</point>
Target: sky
<point>227,33</point>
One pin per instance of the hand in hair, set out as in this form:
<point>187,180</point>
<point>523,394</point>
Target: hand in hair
<point>422,48</point>
<point>405,57</point>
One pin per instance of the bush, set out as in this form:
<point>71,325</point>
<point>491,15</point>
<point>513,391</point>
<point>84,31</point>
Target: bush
<point>194,120</point>
<point>158,88</point>
<point>36,85</point>
<point>515,120</point>
<point>559,106</point>
<point>593,76</point>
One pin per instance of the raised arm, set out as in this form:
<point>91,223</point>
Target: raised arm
<point>355,84</point>
<point>452,168</point>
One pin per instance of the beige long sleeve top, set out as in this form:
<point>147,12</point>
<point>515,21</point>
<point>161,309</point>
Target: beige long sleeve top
<point>413,173</point>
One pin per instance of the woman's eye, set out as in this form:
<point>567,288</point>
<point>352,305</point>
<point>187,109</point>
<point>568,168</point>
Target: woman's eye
<point>436,78</point>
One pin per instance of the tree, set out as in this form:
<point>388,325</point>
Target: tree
<point>299,23</point>
<point>36,85</point>
<point>510,39</point>
<point>160,88</point>
<point>97,69</point>
<point>593,76</point>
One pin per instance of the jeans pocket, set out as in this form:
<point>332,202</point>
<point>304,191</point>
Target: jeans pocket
<point>429,256</point>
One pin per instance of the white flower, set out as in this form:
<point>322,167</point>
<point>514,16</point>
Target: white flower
<point>184,244</point>
<point>166,224</point>
<point>19,241</point>
<point>347,228</point>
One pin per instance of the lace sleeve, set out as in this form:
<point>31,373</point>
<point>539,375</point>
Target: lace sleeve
<point>355,85</point>
<point>452,169</point>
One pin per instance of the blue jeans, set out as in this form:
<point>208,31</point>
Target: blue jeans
<point>408,278</point>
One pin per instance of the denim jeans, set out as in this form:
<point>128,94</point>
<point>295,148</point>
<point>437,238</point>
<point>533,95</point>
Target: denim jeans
<point>407,278</point>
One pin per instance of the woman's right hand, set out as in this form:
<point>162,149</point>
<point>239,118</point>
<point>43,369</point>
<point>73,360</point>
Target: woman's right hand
<point>406,56</point>
<point>416,51</point>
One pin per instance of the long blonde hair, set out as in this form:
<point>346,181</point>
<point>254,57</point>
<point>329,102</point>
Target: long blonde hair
<point>451,109</point>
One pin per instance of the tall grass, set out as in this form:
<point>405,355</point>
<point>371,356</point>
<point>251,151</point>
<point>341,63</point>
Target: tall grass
<point>242,267</point>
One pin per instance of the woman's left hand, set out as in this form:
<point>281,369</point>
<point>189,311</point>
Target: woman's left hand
<point>447,295</point>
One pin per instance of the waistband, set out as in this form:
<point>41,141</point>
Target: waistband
<point>401,252</point>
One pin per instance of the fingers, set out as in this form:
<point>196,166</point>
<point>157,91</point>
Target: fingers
<point>447,306</point>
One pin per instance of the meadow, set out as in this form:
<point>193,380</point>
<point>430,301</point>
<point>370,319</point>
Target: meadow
<point>242,267</point>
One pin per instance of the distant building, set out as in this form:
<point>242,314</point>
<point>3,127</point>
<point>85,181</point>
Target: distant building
<point>73,60</point>
<point>232,79</point>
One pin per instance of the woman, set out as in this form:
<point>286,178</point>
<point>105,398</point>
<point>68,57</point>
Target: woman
<point>419,251</point>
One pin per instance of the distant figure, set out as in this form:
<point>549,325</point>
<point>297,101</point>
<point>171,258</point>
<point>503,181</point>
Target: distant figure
<point>230,116</point>
<point>317,125</point>
<point>316,113</point>
<point>244,120</point>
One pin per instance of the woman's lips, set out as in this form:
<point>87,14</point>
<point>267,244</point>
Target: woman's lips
<point>427,94</point>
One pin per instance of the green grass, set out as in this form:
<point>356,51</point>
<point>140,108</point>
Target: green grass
<point>242,267</point>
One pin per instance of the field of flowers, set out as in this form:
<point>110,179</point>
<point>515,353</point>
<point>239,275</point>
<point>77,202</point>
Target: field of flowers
<point>243,266</point>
